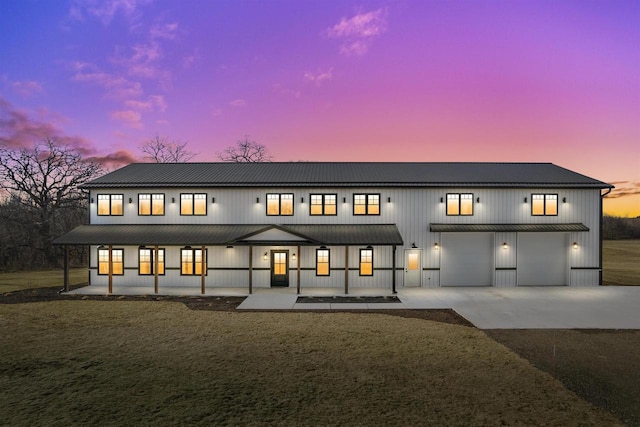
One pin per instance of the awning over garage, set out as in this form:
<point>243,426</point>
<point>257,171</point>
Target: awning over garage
<point>232,234</point>
<point>519,228</point>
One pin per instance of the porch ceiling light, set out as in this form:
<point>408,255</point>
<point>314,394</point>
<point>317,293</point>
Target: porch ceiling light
<point>413,245</point>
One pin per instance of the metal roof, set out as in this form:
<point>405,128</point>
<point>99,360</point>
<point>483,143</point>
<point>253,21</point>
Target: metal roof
<point>361,174</point>
<point>229,234</point>
<point>508,227</point>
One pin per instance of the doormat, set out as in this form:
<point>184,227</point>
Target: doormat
<point>348,299</point>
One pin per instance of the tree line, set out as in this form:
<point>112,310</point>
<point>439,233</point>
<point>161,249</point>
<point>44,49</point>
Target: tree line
<point>41,199</point>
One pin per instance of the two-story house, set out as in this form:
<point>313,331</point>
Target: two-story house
<point>342,225</point>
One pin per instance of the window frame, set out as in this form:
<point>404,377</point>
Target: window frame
<point>151,199</point>
<point>194,262</point>
<point>362,250</point>
<point>328,262</point>
<point>323,204</point>
<point>111,197</point>
<point>367,204</point>
<point>193,204</point>
<point>121,250</point>
<point>473,209</point>
<point>293,197</point>
<point>544,203</point>
<point>163,263</point>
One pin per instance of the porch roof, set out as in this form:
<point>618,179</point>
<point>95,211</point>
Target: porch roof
<point>231,234</point>
<point>565,227</point>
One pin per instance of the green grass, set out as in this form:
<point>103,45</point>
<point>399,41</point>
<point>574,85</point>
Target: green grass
<point>158,363</point>
<point>621,262</point>
<point>10,282</point>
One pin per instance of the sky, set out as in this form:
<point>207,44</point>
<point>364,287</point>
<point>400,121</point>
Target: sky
<point>327,80</point>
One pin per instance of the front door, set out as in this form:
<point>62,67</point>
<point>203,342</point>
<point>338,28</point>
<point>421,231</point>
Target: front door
<point>413,267</point>
<point>279,268</point>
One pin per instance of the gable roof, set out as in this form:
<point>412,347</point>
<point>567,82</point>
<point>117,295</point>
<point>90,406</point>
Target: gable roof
<point>333,174</point>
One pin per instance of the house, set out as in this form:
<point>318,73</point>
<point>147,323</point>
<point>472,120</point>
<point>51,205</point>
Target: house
<point>342,225</point>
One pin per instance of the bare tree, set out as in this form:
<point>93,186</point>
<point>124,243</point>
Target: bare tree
<point>45,181</point>
<point>160,149</point>
<point>245,151</point>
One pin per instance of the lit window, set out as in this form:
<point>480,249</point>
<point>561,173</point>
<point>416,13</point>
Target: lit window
<point>323,204</point>
<point>117,261</point>
<point>193,204</point>
<point>544,204</point>
<point>147,263</point>
<point>366,262</point>
<point>150,204</point>
<point>366,204</point>
<point>110,204</point>
<point>191,262</point>
<point>322,262</point>
<point>280,204</point>
<point>459,204</point>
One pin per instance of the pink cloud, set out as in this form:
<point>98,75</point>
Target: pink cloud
<point>154,102</point>
<point>24,88</point>
<point>116,86</point>
<point>115,160</point>
<point>358,31</point>
<point>129,117</point>
<point>320,77</point>
<point>104,10</point>
<point>238,103</point>
<point>164,31</point>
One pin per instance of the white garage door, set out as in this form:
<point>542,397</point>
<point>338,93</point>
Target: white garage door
<point>466,259</point>
<point>542,259</point>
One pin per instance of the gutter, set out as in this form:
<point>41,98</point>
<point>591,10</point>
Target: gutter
<point>602,196</point>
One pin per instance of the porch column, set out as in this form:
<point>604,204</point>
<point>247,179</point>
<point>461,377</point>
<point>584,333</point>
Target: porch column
<point>346,269</point>
<point>299,261</point>
<point>66,268</point>
<point>155,268</point>
<point>393,270</point>
<point>110,269</point>
<point>203,266</point>
<point>250,269</point>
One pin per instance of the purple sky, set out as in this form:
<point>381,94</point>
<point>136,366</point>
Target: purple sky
<point>326,80</point>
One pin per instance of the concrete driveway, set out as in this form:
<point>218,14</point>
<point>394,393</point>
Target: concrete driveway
<point>604,307</point>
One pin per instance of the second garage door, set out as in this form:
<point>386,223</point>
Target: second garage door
<point>466,259</point>
<point>542,259</point>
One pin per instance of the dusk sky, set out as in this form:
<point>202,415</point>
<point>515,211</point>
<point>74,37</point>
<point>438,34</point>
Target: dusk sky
<point>398,80</point>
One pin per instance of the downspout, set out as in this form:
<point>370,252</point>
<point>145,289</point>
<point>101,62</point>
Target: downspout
<point>602,196</point>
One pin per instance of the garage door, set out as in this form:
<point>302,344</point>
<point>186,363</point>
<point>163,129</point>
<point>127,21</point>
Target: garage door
<point>466,259</point>
<point>542,259</point>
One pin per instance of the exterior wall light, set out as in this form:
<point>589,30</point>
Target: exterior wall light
<point>478,200</point>
<point>173,200</point>
<point>229,246</point>
<point>301,199</point>
<point>257,199</point>
<point>130,200</point>
<point>575,245</point>
<point>525,200</point>
<point>413,245</point>
<point>344,200</point>
<point>564,200</point>
<point>441,199</point>
<point>213,200</point>
<point>504,245</point>
<point>92,200</point>
<point>293,257</point>
<point>265,256</point>
<point>388,199</point>
<point>436,246</point>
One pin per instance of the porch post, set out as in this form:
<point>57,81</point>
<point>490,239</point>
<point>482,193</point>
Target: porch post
<point>250,269</point>
<point>299,261</point>
<point>203,266</point>
<point>155,269</point>
<point>393,269</point>
<point>66,268</point>
<point>110,269</point>
<point>346,269</point>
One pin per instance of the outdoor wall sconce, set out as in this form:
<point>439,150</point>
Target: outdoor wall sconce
<point>142,247</point>
<point>101,247</point>
<point>213,200</point>
<point>478,200</point>
<point>564,200</point>
<point>293,257</point>
<point>344,200</point>
<point>575,245</point>
<point>130,200</point>
<point>525,200</point>
<point>441,199</point>
<point>301,199</point>
<point>323,247</point>
<point>504,245</point>
<point>92,200</point>
<point>257,199</point>
<point>265,256</point>
<point>229,246</point>
<point>173,200</point>
<point>436,246</point>
<point>413,245</point>
<point>369,247</point>
<point>388,199</point>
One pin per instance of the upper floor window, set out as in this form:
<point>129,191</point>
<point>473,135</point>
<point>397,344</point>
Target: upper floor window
<point>147,262</point>
<point>322,262</point>
<point>150,204</point>
<point>366,262</point>
<point>191,261</point>
<point>280,204</point>
<point>544,204</point>
<point>117,261</point>
<point>193,204</point>
<point>110,204</point>
<point>366,204</point>
<point>323,204</point>
<point>459,204</point>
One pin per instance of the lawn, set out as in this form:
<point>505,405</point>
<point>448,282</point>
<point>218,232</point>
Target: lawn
<point>10,282</point>
<point>621,259</point>
<point>133,363</point>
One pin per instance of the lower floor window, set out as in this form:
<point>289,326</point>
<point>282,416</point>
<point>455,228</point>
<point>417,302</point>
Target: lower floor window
<point>191,261</point>
<point>147,262</point>
<point>366,262</point>
<point>322,262</point>
<point>117,261</point>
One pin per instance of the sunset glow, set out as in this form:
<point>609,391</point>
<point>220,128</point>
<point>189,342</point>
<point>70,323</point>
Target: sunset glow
<point>497,81</point>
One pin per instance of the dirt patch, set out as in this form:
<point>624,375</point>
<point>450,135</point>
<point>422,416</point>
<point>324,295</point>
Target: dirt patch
<point>601,366</point>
